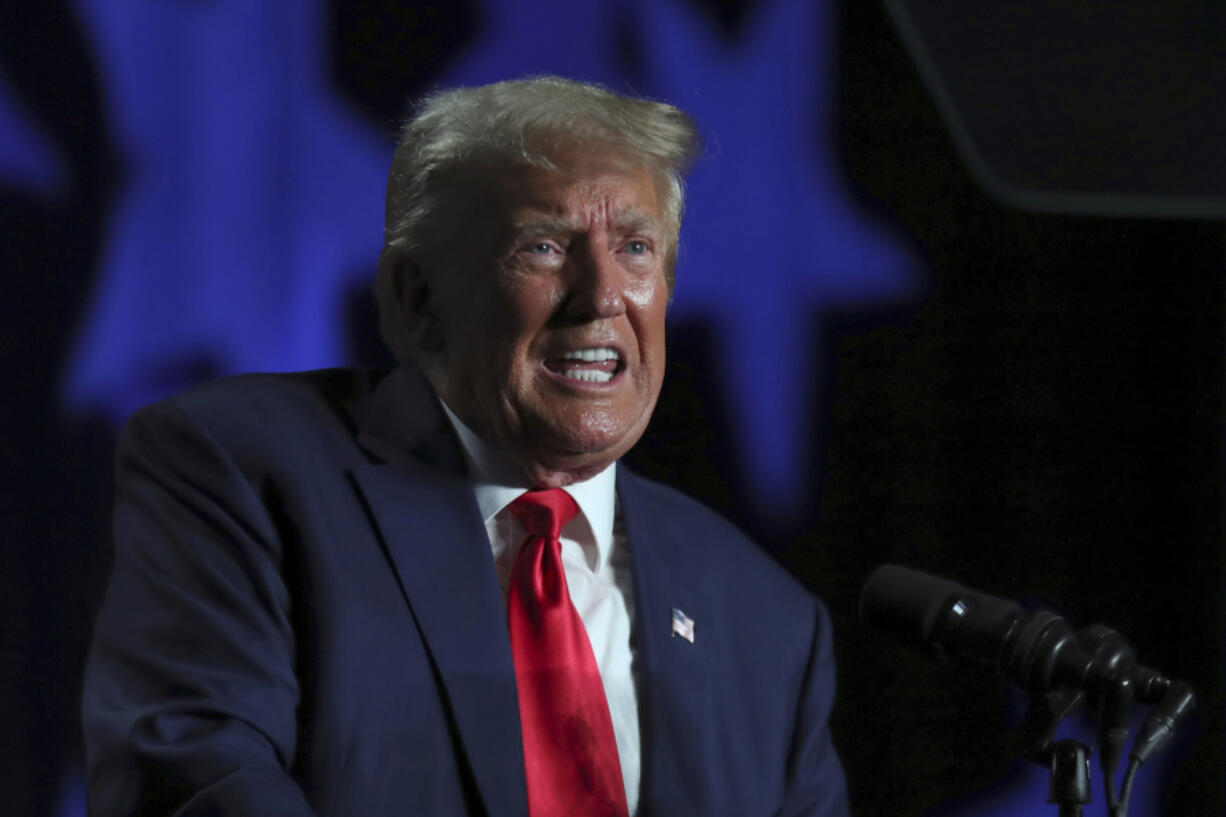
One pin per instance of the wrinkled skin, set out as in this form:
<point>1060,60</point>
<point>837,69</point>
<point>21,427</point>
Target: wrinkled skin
<point>530,265</point>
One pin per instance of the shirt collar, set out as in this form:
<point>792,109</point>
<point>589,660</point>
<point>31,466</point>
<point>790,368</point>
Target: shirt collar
<point>497,482</point>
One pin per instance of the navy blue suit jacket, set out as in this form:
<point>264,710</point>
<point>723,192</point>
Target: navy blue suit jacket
<point>304,618</point>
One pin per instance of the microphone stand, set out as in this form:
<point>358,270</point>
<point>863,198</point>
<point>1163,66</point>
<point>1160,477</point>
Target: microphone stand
<point>1068,760</point>
<point>1070,777</point>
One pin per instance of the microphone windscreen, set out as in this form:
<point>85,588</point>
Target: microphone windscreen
<point>905,602</point>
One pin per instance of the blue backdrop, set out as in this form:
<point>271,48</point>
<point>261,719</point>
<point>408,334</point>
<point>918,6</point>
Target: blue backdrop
<point>207,199</point>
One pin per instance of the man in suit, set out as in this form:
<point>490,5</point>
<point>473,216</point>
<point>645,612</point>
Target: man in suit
<point>435,590</point>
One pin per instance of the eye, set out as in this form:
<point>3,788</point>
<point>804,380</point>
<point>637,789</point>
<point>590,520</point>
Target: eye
<point>540,248</point>
<point>637,247</point>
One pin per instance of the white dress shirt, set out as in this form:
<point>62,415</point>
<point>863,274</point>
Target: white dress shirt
<point>597,566</point>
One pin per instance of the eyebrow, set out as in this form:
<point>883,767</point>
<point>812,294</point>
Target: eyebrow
<point>629,221</point>
<point>542,226</point>
<point>637,221</point>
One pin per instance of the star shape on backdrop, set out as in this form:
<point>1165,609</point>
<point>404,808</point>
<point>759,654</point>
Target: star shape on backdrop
<point>772,237</point>
<point>252,201</point>
<point>253,198</point>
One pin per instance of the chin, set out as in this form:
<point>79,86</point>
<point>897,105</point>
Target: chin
<point>598,433</point>
<point>581,439</point>
<point>567,457</point>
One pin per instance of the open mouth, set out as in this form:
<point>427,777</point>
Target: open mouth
<point>595,365</point>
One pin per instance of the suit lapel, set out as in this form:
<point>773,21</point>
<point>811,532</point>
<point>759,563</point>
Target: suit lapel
<point>427,517</point>
<point>675,695</point>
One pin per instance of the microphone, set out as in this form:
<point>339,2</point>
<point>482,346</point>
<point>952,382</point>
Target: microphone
<point>1037,650</point>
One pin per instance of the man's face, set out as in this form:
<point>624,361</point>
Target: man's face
<point>551,295</point>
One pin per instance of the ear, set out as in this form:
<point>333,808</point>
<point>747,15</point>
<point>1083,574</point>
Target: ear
<point>417,304</point>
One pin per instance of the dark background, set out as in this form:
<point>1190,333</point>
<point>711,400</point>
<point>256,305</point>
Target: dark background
<point>1045,423</point>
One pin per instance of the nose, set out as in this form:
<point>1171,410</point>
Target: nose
<point>597,284</point>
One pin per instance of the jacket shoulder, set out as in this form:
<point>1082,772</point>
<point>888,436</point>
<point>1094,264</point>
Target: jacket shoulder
<point>257,417</point>
<point>336,389</point>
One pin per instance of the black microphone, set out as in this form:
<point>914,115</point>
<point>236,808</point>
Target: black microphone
<point>1036,650</point>
<point>1039,652</point>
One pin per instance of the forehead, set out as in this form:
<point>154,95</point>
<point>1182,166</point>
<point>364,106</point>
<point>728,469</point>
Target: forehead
<point>584,187</point>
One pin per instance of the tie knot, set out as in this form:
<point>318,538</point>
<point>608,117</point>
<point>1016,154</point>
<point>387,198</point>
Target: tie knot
<point>543,513</point>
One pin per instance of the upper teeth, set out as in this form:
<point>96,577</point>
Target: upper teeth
<point>592,355</point>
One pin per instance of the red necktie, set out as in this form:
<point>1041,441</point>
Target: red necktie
<point>570,754</point>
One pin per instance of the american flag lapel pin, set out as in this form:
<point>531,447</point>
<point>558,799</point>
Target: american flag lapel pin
<point>683,625</point>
